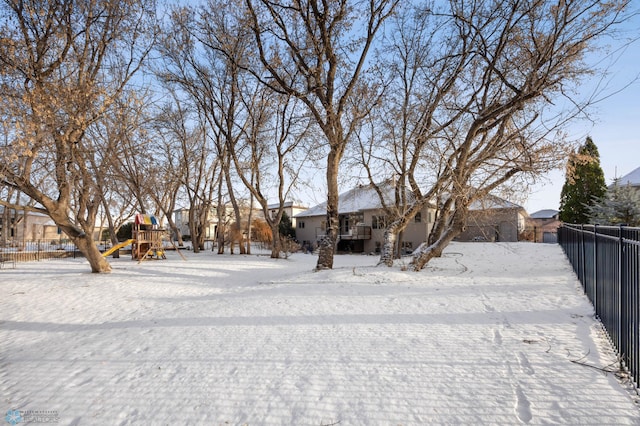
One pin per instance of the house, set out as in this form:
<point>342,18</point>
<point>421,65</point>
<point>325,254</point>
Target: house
<point>494,219</point>
<point>24,225</point>
<point>181,219</point>
<point>290,209</point>
<point>632,179</point>
<point>545,224</point>
<point>361,222</point>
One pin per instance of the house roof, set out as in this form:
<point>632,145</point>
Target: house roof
<point>286,204</point>
<point>360,198</point>
<point>544,214</point>
<point>493,202</point>
<point>365,197</point>
<point>48,221</point>
<point>632,178</point>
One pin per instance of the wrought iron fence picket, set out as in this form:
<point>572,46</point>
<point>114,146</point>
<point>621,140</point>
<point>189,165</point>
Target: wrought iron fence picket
<point>606,260</point>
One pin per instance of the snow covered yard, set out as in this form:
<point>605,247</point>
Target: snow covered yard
<point>485,335</point>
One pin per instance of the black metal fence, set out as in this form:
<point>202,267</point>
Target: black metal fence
<point>606,260</point>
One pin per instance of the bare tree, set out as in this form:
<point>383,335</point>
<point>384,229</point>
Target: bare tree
<point>130,148</point>
<point>199,168</point>
<point>487,118</point>
<point>111,134</point>
<point>195,64</point>
<point>168,182</point>
<point>277,139</point>
<point>255,123</point>
<point>310,52</point>
<point>398,145</point>
<point>63,64</point>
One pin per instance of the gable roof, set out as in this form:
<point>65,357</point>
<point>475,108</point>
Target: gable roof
<point>490,202</point>
<point>360,198</point>
<point>544,214</point>
<point>43,219</point>
<point>286,204</point>
<point>365,197</point>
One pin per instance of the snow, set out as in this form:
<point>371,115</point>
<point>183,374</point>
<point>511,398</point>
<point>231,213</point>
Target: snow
<point>484,335</point>
<point>360,198</point>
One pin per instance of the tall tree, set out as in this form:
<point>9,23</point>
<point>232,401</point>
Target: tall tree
<point>400,154</point>
<point>62,65</point>
<point>264,131</point>
<point>195,62</point>
<point>480,117</point>
<point>584,185</point>
<point>311,51</point>
<point>276,138</point>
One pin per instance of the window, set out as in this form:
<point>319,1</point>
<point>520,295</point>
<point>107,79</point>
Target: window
<point>418,217</point>
<point>301,224</point>
<point>378,222</point>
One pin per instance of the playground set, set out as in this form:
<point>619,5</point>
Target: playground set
<point>147,240</point>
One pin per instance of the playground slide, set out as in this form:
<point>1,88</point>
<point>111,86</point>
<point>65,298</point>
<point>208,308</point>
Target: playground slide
<point>117,247</point>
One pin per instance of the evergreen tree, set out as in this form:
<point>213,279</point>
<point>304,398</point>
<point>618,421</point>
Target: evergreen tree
<point>584,184</point>
<point>620,206</point>
<point>286,228</point>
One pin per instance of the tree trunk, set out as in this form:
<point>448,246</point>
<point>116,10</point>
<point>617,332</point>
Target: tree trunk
<point>386,254</point>
<point>82,240</point>
<point>220,236</point>
<point>193,226</point>
<point>276,246</point>
<point>391,248</point>
<point>113,237</point>
<point>175,230</point>
<point>422,256</point>
<point>248,229</point>
<point>328,242</point>
<point>203,215</point>
<point>236,228</point>
<point>90,251</point>
<point>442,217</point>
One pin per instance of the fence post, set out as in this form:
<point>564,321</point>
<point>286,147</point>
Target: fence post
<point>622,304</point>
<point>595,268</point>
<point>584,263</point>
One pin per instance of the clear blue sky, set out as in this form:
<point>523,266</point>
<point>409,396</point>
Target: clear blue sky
<point>614,125</point>
<point>616,130</point>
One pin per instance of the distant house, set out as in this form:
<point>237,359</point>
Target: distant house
<point>544,224</point>
<point>23,225</point>
<point>290,209</point>
<point>362,223</point>
<point>632,179</point>
<point>494,219</point>
<point>181,220</point>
